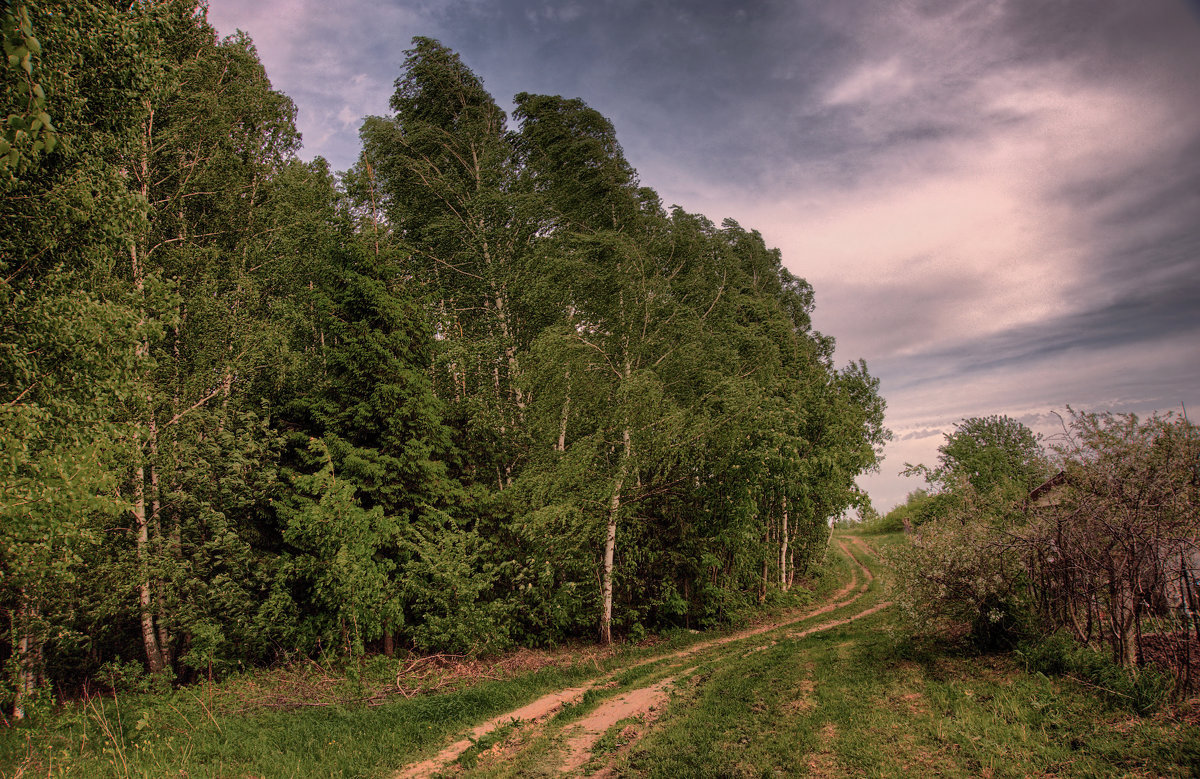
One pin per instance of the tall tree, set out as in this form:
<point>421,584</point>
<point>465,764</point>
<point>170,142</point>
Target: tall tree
<point>989,453</point>
<point>442,171</point>
<point>67,337</point>
<point>210,133</point>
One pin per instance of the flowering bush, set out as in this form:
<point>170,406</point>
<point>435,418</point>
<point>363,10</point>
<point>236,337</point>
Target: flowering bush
<point>959,570</point>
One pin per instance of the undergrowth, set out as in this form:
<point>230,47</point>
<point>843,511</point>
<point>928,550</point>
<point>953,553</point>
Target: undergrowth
<point>333,717</point>
<point>1143,690</point>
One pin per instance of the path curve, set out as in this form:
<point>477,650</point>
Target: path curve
<point>642,702</point>
<point>655,696</point>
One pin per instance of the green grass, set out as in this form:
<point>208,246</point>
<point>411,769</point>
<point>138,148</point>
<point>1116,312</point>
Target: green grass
<point>861,699</point>
<point>318,741</point>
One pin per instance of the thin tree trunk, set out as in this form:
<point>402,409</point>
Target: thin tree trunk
<point>1069,605</point>
<point>783,549</point>
<point>28,651</point>
<point>374,210</point>
<point>159,547</point>
<point>1193,608</point>
<point>566,410</point>
<point>1121,619</point>
<point>154,656</point>
<point>762,584</point>
<point>1187,601</point>
<point>389,641</point>
<point>610,539</point>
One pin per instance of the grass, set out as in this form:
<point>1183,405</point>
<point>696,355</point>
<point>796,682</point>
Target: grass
<point>209,731</point>
<point>861,699</point>
<point>105,740</point>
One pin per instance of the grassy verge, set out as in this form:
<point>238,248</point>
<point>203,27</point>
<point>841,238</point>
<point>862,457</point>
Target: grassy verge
<point>226,730</point>
<point>156,737</point>
<point>860,700</point>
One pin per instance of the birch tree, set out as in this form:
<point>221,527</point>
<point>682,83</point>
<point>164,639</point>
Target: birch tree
<point>67,339</point>
<point>441,167</point>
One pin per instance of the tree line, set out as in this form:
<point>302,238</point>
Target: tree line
<point>480,390</point>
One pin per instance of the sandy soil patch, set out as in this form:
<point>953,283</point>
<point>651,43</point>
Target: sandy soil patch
<point>537,711</point>
<point>582,736</point>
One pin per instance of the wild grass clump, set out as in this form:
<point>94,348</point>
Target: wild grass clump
<point>1143,690</point>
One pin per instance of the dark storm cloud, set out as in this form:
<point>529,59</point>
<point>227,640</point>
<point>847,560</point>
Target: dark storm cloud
<point>738,92</point>
<point>924,304</point>
<point>1142,318</point>
<point>717,82</point>
<point>1109,38</point>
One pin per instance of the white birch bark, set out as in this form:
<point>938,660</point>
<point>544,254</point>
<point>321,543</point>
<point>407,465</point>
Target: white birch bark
<point>566,410</point>
<point>783,549</point>
<point>610,540</point>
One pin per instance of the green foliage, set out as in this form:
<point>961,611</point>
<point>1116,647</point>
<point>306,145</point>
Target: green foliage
<point>1144,690</point>
<point>571,154</point>
<point>918,507</point>
<point>332,559</point>
<point>959,570</point>
<point>990,453</point>
<point>252,412</point>
<point>28,131</point>
<point>447,588</point>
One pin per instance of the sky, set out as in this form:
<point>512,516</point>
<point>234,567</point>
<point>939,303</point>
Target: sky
<point>996,201</point>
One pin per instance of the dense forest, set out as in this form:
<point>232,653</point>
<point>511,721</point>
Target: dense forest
<point>480,390</point>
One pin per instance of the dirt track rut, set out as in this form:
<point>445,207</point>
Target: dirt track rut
<point>646,702</point>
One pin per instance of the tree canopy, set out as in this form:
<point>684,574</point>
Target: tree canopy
<point>480,390</point>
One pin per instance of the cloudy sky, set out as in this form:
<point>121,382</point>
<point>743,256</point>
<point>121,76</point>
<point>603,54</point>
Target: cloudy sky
<point>997,201</point>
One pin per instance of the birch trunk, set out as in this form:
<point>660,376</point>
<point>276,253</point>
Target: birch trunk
<point>28,655</point>
<point>783,549</point>
<point>159,546</point>
<point>154,657</point>
<point>137,256</point>
<point>566,410</point>
<point>610,540</point>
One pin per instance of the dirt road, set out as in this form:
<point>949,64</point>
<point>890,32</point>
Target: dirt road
<point>640,706</point>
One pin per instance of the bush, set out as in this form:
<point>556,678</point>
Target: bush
<point>958,572</point>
